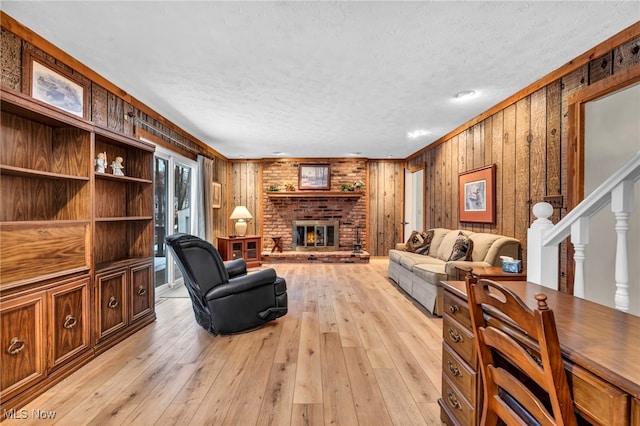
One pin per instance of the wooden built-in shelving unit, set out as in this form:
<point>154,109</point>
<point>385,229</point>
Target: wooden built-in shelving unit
<point>76,251</point>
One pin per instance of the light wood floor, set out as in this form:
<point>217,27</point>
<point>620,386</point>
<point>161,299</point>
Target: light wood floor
<point>353,350</point>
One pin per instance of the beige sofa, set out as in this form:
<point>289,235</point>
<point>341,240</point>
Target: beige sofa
<point>420,275</point>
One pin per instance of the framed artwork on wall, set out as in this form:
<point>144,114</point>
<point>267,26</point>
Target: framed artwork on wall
<point>314,176</point>
<point>216,195</point>
<point>55,86</point>
<point>477,195</point>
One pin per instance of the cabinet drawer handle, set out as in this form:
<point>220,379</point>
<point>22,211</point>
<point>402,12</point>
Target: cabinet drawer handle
<point>70,321</point>
<point>44,231</point>
<point>453,368</point>
<point>142,291</point>
<point>454,309</point>
<point>15,346</point>
<point>112,302</point>
<point>455,335</point>
<point>453,400</point>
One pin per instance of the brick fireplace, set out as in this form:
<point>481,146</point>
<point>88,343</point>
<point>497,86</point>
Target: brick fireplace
<point>282,208</point>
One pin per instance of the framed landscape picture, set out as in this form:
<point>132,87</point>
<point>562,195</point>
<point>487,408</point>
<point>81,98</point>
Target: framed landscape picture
<point>314,176</point>
<point>477,195</point>
<point>55,86</point>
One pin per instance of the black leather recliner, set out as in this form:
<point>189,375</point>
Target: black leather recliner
<point>225,299</point>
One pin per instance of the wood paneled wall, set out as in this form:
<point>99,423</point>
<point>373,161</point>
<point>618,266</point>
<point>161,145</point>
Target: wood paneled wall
<point>527,139</point>
<point>245,189</point>
<point>386,205</point>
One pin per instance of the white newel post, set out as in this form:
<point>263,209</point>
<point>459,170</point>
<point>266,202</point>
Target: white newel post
<point>621,206</point>
<point>542,262</point>
<point>579,239</point>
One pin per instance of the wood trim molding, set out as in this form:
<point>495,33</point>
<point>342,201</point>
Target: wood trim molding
<point>143,134</point>
<point>36,40</point>
<point>606,46</point>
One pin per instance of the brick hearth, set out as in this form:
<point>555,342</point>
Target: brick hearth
<point>315,257</point>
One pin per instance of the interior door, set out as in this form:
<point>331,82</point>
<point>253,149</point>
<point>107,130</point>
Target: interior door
<point>413,201</point>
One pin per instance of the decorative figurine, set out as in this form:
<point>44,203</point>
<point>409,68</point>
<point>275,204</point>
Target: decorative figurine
<point>118,167</point>
<point>101,162</point>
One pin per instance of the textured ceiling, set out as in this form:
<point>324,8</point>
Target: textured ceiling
<point>322,79</point>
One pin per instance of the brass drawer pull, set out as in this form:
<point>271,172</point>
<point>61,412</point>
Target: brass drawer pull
<point>15,346</point>
<point>453,368</point>
<point>453,400</point>
<point>112,302</point>
<point>142,291</point>
<point>70,321</point>
<point>455,335</point>
<point>454,309</point>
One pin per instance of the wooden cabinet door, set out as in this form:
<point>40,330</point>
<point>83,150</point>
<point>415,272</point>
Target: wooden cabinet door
<point>112,301</point>
<point>252,250</point>
<point>141,290</point>
<point>68,320</point>
<point>22,354</point>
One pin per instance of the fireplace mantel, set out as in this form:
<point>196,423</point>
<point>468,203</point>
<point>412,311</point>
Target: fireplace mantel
<point>314,194</point>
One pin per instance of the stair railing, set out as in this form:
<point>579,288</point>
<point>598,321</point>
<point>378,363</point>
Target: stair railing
<point>544,238</point>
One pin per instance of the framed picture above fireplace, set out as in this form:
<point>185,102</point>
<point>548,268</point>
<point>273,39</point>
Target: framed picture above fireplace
<point>314,176</point>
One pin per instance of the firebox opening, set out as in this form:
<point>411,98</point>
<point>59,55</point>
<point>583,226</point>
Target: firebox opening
<point>321,235</point>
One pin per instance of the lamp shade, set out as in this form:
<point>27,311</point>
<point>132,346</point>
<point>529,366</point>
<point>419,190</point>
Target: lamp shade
<point>240,212</point>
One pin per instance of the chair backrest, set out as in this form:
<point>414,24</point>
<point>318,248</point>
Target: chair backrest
<point>509,395</point>
<point>201,264</point>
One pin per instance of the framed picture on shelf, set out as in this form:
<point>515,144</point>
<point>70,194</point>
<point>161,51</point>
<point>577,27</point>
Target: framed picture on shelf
<point>55,86</point>
<point>314,176</point>
<point>216,195</point>
<point>477,190</point>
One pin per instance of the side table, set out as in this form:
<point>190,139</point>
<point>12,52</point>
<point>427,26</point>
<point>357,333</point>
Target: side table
<point>492,273</point>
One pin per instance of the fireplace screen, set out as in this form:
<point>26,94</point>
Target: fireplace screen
<point>315,234</point>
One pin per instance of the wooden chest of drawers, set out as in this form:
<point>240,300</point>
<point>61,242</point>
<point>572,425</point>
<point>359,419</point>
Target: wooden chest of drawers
<point>460,378</point>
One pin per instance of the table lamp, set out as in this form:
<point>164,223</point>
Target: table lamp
<point>240,213</point>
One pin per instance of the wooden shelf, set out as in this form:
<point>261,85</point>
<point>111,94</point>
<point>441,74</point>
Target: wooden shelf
<point>123,218</point>
<point>121,178</point>
<point>24,172</point>
<point>315,194</point>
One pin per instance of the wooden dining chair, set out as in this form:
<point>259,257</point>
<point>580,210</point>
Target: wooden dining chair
<point>508,394</point>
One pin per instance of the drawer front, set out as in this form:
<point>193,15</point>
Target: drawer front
<point>141,288</point>
<point>457,308</point>
<point>456,404</point>
<point>460,340</point>
<point>22,354</point>
<point>460,374</point>
<point>598,401</point>
<point>29,252</point>
<point>112,301</point>
<point>69,320</point>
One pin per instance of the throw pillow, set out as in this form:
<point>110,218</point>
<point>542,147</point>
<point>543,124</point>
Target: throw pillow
<point>462,248</point>
<point>428,237</point>
<point>415,241</point>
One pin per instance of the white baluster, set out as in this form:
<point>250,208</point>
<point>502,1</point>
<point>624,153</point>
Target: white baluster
<point>621,206</point>
<point>580,239</point>
<point>542,262</point>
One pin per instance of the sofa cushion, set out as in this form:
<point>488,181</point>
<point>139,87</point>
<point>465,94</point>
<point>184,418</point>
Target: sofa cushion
<point>446,247</point>
<point>395,255</point>
<point>462,248</point>
<point>416,240</point>
<point>482,242</point>
<point>438,236</point>
<point>432,273</point>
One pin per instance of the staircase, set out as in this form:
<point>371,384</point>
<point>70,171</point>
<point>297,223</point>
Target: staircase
<point>544,238</point>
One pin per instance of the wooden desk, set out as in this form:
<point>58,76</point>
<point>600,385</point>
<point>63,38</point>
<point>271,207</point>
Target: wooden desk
<point>600,345</point>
